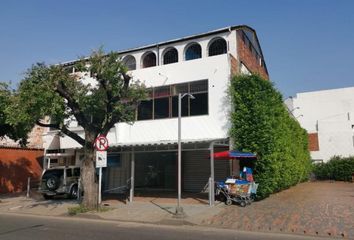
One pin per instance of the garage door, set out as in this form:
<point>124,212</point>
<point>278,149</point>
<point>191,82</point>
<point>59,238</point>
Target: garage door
<point>196,170</point>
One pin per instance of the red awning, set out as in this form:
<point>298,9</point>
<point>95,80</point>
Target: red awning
<point>234,155</point>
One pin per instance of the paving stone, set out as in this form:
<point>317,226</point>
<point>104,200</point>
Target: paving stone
<point>311,208</point>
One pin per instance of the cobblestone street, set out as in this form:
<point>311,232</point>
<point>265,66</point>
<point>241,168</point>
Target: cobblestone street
<point>312,208</point>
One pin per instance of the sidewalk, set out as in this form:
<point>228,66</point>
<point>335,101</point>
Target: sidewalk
<point>324,209</point>
<point>144,209</point>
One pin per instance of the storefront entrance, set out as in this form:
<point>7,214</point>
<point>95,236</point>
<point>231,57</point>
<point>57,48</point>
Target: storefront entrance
<point>156,170</point>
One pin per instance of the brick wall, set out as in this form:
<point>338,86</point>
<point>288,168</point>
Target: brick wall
<point>313,142</point>
<point>248,57</point>
<point>16,165</point>
<point>34,139</point>
<point>234,65</point>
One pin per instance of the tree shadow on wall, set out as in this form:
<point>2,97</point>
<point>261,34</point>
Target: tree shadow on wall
<point>14,175</point>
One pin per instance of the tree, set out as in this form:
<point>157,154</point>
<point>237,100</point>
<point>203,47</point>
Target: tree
<point>14,131</point>
<point>261,124</point>
<point>57,92</point>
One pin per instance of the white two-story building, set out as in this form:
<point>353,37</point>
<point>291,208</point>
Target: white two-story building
<point>201,65</point>
<point>328,117</point>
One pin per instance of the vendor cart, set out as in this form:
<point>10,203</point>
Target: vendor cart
<point>237,191</point>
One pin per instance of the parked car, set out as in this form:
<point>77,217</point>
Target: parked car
<point>60,181</point>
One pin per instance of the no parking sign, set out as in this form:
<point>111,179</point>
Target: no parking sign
<point>101,143</point>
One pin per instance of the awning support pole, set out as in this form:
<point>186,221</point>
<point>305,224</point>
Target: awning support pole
<point>211,179</point>
<point>132,176</point>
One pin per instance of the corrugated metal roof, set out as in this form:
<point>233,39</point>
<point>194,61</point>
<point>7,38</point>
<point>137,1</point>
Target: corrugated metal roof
<point>164,142</point>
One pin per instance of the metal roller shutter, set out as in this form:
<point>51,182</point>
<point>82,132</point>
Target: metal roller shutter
<point>196,170</point>
<point>117,176</point>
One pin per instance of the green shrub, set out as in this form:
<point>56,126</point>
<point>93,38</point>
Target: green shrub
<point>77,209</point>
<point>262,124</point>
<point>82,209</point>
<point>337,168</point>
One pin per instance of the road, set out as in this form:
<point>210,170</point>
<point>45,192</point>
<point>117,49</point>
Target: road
<point>26,227</point>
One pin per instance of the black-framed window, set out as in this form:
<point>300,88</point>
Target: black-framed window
<point>69,172</point>
<point>194,51</point>
<point>77,172</point>
<point>164,101</point>
<point>149,60</point>
<point>161,107</point>
<point>217,47</point>
<point>184,106</point>
<point>170,56</point>
<point>145,110</point>
<point>199,105</point>
<point>130,62</point>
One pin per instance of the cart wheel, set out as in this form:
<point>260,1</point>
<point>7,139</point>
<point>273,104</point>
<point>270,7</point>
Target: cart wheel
<point>228,201</point>
<point>243,204</point>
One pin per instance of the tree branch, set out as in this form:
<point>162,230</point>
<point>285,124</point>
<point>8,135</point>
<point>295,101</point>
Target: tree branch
<point>126,79</point>
<point>50,125</point>
<point>64,130</point>
<point>63,92</point>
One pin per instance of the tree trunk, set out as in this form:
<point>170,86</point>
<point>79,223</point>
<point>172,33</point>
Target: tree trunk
<point>88,176</point>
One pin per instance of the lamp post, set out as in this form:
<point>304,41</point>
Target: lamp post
<point>179,209</point>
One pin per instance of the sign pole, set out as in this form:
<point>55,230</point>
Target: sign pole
<point>101,145</point>
<point>99,186</point>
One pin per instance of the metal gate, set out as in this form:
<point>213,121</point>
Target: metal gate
<point>196,170</point>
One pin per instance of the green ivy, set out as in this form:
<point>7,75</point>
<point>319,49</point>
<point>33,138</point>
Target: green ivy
<point>262,124</point>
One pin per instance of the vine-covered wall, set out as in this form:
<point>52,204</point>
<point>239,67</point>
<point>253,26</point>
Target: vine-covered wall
<point>262,124</point>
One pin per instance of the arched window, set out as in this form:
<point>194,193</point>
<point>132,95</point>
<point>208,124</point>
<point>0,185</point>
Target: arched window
<point>193,51</point>
<point>149,60</point>
<point>170,56</point>
<point>217,47</point>
<point>129,62</point>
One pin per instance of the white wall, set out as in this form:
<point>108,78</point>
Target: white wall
<point>331,114</point>
<point>212,126</point>
<point>204,42</point>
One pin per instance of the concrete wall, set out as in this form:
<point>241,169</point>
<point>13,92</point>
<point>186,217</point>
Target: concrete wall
<point>16,165</point>
<point>212,126</point>
<point>181,46</point>
<point>216,69</point>
<point>330,114</point>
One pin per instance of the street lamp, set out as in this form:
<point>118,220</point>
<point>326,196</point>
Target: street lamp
<point>179,209</point>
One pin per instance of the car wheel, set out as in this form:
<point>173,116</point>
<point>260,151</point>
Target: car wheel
<point>52,182</point>
<point>74,192</point>
<point>47,197</point>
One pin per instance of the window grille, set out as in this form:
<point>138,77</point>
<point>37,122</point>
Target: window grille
<point>129,62</point>
<point>171,56</point>
<point>149,60</point>
<point>217,47</point>
<point>194,51</point>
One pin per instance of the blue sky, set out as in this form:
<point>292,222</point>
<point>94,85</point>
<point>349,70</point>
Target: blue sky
<point>307,44</point>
